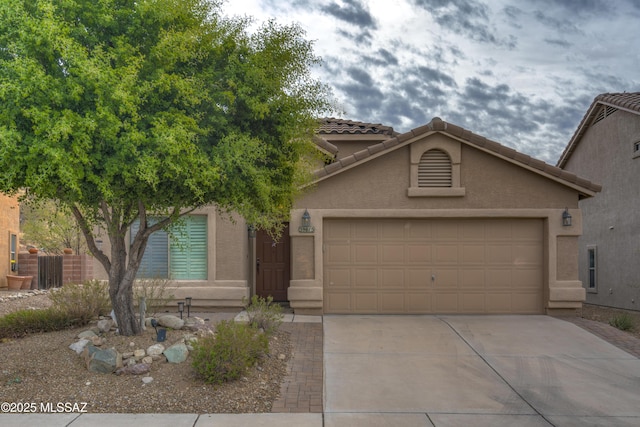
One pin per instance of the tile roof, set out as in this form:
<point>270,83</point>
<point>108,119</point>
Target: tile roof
<point>330,125</point>
<point>627,101</point>
<point>438,125</point>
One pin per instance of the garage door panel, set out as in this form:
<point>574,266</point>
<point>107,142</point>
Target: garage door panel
<point>365,278</point>
<point>365,302</point>
<point>446,254</point>
<point>473,254</point>
<point>338,253</point>
<point>418,302</point>
<point>392,253</point>
<point>417,278</point>
<point>392,278</point>
<point>391,302</point>
<point>479,266</point>
<point>472,278</point>
<point>340,302</point>
<point>418,254</point>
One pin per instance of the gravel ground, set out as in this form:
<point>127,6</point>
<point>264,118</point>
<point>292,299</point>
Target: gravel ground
<point>605,314</point>
<point>42,369</point>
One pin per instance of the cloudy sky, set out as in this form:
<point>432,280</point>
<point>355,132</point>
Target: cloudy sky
<point>520,72</point>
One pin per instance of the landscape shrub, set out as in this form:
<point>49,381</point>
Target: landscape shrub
<point>263,314</point>
<point>23,322</point>
<point>156,294</point>
<point>226,355</point>
<point>622,321</point>
<point>82,302</point>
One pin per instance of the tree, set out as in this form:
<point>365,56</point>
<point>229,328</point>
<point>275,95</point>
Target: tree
<point>125,109</point>
<point>51,228</point>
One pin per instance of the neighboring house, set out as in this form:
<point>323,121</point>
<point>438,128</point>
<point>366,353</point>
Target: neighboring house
<point>9,230</point>
<point>435,220</point>
<point>606,149</point>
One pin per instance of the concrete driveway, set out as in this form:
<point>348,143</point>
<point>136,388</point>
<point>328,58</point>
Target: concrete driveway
<point>493,371</point>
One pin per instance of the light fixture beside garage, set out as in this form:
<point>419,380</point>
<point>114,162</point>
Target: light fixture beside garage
<point>306,226</point>
<point>566,218</point>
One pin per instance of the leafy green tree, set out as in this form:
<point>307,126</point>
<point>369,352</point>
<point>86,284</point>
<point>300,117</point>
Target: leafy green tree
<point>124,109</point>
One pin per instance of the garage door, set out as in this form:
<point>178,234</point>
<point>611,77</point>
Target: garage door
<point>433,266</point>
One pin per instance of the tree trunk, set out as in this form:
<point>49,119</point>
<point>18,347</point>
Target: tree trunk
<point>122,301</point>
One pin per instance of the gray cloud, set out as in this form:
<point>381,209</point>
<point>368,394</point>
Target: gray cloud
<point>353,12</point>
<point>467,17</point>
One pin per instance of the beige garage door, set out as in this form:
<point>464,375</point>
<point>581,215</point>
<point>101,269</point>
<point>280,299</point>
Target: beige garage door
<point>433,266</point>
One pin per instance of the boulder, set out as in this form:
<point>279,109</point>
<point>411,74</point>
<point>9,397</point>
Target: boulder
<point>104,361</point>
<point>137,369</point>
<point>87,334</point>
<point>177,353</point>
<point>155,350</point>
<point>170,321</point>
<point>104,325</point>
<point>79,346</point>
<point>139,353</point>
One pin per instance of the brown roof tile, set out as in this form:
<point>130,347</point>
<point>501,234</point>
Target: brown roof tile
<point>628,101</point>
<point>330,125</point>
<point>472,139</point>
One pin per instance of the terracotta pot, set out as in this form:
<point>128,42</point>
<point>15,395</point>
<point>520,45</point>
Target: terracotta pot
<point>68,251</point>
<point>26,282</point>
<point>14,283</point>
<point>33,250</point>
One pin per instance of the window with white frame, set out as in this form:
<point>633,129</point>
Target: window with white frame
<point>592,269</point>
<point>180,254</point>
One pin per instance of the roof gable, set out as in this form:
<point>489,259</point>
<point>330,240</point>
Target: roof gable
<point>583,186</point>
<point>602,106</point>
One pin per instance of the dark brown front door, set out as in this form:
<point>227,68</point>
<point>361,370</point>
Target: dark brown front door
<point>272,265</point>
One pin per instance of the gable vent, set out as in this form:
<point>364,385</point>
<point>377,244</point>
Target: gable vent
<point>604,112</point>
<point>434,169</point>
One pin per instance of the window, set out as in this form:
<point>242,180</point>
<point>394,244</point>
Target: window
<point>636,149</point>
<point>592,267</point>
<point>13,248</point>
<point>434,169</point>
<point>179,255</point>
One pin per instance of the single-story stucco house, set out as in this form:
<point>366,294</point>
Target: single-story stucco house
<point>434,220</point>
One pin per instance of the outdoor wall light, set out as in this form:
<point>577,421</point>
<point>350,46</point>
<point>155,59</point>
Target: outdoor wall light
<point>566,218</point>
<point>306,226</point>
<point>188,300</point>
<point>181,307</point>
<point>252,231</point>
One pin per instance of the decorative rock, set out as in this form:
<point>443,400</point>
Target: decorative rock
<point>131,361</point>
<point>87,353</point>
<point>127,355</point>
<point>138,353</point>
<point>281,356</point>
<point>98,341</point>
<point>137,369</point>
<point>147,359</point>
<point>170,321</point>
<point>104,361</point>
<point>155,350</point>
<point>147,380</point>
<point>79,346</point>
<point>104,325</point>
<point>87,334</point>
<point>177,353</point>
<point>193,323</point>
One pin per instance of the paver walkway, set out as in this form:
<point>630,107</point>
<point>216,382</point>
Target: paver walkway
<point>301,391</point>
<point>620,339</point>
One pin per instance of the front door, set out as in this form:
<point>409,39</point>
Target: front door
<point>272,265</point>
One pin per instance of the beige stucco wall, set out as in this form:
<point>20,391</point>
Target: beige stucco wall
<point>9,224</point>
<point>494,188</point>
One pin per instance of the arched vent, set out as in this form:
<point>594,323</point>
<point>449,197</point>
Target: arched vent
<point>434,169</point>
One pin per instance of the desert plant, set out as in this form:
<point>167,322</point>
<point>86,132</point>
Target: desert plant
<point>156,294</point>
<point>263,314</point>
<point>622,321</point>
<point>82,301</point>
<point>24,322</point>
<point>229,353</point>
